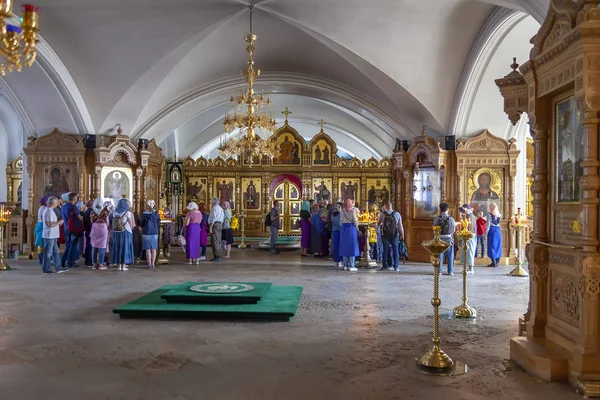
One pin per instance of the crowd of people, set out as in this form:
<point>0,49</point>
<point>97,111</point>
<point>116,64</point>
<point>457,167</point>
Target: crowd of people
<point>97,230</point>
<point>333,230</point>
<point>485,230</point>
<point>105,235</point>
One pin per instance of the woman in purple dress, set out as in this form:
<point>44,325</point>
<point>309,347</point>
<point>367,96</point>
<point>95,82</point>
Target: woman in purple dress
<point>203,230</point>
<point>192,233</point>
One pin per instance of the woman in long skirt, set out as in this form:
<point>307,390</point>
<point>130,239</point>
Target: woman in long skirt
<point>305,227</point>
<point>123,225</point>
<point>349,235</point>
<point>336,226</point>
<point>203,230</point>
<point>192,233</point>
<point>227,232</point>
<point>316,231</point>
<point>494,236</point>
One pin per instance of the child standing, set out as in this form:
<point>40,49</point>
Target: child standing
<point>481,229</point>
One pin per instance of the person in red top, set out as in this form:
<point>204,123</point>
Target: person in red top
<point>481,225</point>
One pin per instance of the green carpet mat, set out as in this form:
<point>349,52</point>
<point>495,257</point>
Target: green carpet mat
<point>278,303</point>
<point>217,293</point>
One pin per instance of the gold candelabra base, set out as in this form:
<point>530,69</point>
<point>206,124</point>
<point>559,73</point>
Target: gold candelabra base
<point>464,311</point>
<point>435,360</point>
<point>366,261</point>
<point>3,266</point>
<point>161,259</point>
<point>518,271</point>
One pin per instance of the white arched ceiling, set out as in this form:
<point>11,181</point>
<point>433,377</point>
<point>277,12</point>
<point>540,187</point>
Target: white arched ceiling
<point>11,139</point>
<point>151,64</point>
<point>360,136</point>
<point>488,105</point>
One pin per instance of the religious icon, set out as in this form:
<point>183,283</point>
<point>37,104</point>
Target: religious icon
<point>427,193</point>
<point>378,192</point>
<point>294,194</point>
<point>150,182</point>
<point>251,193</point>
<point>57,183</point>
<point>225,189</point>
<point>175,176</point>
<point>196,190</point>
<point>295,208</point>
<point>289,151</point>
<point>322,189</point>
<point>569,151</point>
<point>279,192</point>
<point>349,190</point>
<point>485,187</point>
<point>321,154</point>
<point>116,185</point>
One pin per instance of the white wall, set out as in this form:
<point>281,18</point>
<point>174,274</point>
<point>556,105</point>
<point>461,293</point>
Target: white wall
<point>488,108</point>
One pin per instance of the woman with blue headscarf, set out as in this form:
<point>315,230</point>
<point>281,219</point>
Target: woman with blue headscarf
<point>122,227</point>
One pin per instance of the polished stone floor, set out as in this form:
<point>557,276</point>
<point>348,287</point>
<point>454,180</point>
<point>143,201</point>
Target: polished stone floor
<point>356,336</point>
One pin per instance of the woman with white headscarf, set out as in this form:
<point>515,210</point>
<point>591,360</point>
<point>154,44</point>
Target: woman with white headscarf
<point>192,222</point>
<point>227,232</point>
<point>494,236</point>
<point>149,222</point>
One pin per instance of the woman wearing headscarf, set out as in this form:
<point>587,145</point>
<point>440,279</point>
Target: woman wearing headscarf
<point>494,236</point>
<point>137,239</point>
<point>150,222</point>
<point>192,233</point>
<point>349,235</point>
<point>227,232</point>
<point>336,226</point>
<point>203,230</point>
<point>122,226</point>
<point>316,231</point>
<point>305,227</point>
<point>59,217</point>
<point>99,233</point>
<point>110,206</point>
<point>39,228</point>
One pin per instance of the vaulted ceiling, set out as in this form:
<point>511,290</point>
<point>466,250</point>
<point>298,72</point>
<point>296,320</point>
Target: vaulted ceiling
<point>163,68</point>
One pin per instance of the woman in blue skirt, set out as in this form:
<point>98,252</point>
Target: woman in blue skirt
<point>494,236</point>
<point>349,235</point>
<point>122,226</point>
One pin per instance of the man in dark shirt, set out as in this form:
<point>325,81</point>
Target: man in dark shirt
<point>275,226</point>
<point>87,227</point>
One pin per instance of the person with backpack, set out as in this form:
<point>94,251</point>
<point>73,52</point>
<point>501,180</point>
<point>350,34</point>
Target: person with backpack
<point>150,222</point>
<point>273,221</point>
<point>447,228</point>
<point>392,232</point>
<point>122,226</point>
<point>70,255</point>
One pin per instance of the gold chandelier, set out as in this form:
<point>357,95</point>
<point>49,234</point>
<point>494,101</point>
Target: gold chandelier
<point>17,44</point>
<point>250,146</point>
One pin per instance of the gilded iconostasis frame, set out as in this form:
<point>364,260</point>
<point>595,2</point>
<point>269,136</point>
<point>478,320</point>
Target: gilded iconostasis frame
<point>312,169</point>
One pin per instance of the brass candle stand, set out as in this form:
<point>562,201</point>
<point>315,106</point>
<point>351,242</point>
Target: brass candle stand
<point>518,226</point>
<point>4,218</point>
<point>435,361</point>
<point>242,217</point>
<point>464,310</point>
<point>162,259</point>
<point>366,261</point>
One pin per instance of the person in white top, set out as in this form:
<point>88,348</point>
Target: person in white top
<point>50,235</point>
<point>215,221</point>
<point>39,229</point>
